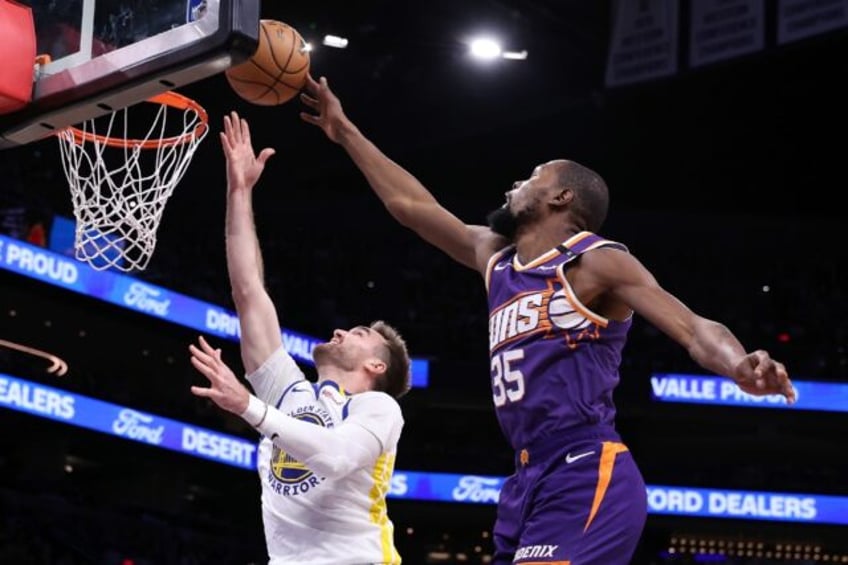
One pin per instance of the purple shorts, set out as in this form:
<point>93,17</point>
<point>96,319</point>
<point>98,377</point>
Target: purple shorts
<point>582,503</point>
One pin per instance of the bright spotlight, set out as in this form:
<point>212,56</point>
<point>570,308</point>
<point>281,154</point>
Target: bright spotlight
<point>335,41</point>
<point>515,55</point>
<point>484,48</point>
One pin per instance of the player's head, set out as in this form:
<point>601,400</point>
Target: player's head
<point>374,354</point>
<point>558,187</point>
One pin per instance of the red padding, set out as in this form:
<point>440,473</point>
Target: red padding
<point>17,55</point>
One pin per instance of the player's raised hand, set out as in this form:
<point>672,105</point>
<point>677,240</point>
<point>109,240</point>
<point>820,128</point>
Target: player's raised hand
<point>244,167</point>
<point>225,390</point>
<point>326,108</point>
<point>759,374</point>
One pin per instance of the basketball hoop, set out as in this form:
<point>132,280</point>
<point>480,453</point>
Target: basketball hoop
<point>120,184</point>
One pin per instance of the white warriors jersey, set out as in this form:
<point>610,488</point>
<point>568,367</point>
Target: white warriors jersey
<point>314,520</point>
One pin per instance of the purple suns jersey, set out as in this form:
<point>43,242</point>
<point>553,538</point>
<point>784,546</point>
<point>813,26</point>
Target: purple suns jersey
<point>554,363</point>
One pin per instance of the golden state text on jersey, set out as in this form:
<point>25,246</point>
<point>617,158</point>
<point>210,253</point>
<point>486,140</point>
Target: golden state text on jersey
<point>286,475</point>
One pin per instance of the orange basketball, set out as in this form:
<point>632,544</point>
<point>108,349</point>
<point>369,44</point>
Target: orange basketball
<point>277,70</point>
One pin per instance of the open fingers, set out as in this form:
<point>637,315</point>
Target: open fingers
<point>310,118</point>
<point>309,101</point>
<point>228,128</point>
<point>771,376</point>
<point>201,391</point>
<point>213,351</point>
<point>763,365</point>
<point>235,128</point>
<point>311,85</point>
<point>263,157</point>
<point>245,132</point>
<point>203,356</point>
<point>225,143</point>
<point>205,369</point>
<point>783,383</point>
<point>208,348</point>
<point>208,360</point>
<point>789,392</point>
<point>762,362</point>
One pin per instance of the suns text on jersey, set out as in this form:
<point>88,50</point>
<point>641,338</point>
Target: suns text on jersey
<point>523,314</point>
<point>546,310</point>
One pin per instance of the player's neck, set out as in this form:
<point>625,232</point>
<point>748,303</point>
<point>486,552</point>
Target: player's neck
<point>351,381</point>
<point>539,238</point>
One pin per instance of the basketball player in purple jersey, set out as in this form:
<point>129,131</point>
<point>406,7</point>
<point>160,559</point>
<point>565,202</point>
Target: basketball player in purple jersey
<point>561,300</point>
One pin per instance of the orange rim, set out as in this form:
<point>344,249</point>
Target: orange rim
<point>171,99</point>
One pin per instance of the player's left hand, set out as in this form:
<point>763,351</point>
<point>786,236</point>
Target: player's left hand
<point>758,374</point>
<point>225,390</point>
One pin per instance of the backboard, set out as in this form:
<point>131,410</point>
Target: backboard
<point>110,54</point>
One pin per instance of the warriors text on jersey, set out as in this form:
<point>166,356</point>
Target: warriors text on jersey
<point>554,362</point>
<point>313,520</point>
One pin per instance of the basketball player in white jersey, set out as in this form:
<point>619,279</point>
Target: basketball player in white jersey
<point>327,450</point>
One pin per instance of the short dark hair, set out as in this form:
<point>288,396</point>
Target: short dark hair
<point>591,201</point>
<point>397,379</point>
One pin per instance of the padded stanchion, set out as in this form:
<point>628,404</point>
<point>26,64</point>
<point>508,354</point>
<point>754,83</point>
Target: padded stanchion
<point>17,55</point>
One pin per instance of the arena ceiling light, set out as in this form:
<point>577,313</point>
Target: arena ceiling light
<point>515,55</point>
<point>485,48</point>
<point>489,49</point>
<point>335,41</point>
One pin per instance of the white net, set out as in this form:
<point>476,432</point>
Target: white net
<point>120,185</point>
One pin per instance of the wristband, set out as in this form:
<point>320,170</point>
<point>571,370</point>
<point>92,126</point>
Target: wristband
<point>256,410</point>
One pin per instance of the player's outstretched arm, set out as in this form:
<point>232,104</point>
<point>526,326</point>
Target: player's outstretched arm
<point>331,452</point>
<point>406,199</point>
<point>260,327</point>
<point>710,344</point>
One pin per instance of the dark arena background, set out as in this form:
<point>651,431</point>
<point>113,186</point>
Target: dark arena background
<point>720,128</point>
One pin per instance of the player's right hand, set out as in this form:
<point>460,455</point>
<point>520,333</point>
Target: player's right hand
<point>224,388</point>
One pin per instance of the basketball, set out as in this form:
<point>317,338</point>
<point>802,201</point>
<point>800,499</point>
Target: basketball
<point>277,71</point>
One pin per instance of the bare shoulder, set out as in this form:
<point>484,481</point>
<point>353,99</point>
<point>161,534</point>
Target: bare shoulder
<point>486,244</point>
<point>604,258</point>
<point>605,278</point>
<point>611,265</point>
